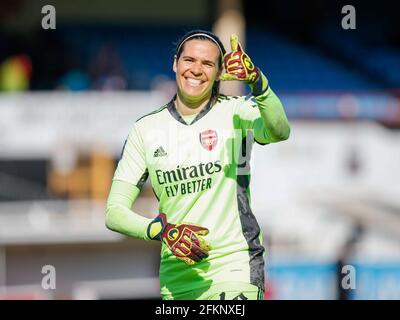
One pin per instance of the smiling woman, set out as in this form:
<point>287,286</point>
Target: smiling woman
<point>199,170</point>
<point>198,63</point>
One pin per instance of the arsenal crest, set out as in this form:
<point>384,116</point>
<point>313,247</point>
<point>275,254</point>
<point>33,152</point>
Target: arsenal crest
<point>208,139</point>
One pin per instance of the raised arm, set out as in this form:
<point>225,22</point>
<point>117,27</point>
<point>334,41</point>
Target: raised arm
<point>270,124</point>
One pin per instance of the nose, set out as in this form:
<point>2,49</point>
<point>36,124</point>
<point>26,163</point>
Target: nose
<point>196,69</point>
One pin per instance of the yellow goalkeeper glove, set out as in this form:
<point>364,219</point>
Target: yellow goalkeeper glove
<point>184,240</point>
<point>239,66</point>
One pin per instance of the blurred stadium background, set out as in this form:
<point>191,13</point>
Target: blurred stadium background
<point>327,197</point>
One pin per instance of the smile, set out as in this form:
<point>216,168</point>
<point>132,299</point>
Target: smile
<point>194,82</point>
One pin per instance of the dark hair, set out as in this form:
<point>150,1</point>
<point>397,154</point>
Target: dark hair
<point>203,35</point>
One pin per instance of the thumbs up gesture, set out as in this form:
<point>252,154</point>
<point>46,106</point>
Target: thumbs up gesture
<point>238,64</point>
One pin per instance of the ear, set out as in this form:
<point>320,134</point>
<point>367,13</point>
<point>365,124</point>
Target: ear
<point>174,67</point>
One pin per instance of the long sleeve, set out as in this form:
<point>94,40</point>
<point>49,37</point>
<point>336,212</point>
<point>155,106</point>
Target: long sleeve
<point>273,125</point>
<point>263,113</point>
<point>129,177</point>
<point>119,216</point>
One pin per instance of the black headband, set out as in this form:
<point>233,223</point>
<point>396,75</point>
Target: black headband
<point>202,35</point>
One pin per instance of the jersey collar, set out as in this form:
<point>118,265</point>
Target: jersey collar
<point>174,112</point>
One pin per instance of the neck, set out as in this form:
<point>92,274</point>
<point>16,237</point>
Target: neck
<point>186,108</point>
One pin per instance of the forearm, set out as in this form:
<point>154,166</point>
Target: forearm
<point>119,216</point>
<point>275,124</point>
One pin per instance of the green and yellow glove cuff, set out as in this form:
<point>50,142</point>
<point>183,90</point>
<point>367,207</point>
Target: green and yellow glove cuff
<point>260,86</point>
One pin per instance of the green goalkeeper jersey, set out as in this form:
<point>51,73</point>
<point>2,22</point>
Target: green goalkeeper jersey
<point>200,173</point>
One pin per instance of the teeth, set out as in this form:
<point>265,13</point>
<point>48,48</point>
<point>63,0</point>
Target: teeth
<point>194,82</point>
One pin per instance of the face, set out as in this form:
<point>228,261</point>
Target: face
<point>196,70</point>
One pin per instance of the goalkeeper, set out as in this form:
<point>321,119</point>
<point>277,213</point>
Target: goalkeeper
<point>199,170</point>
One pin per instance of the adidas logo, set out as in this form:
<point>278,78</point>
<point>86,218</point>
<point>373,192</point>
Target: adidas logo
<point>160,152</point>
